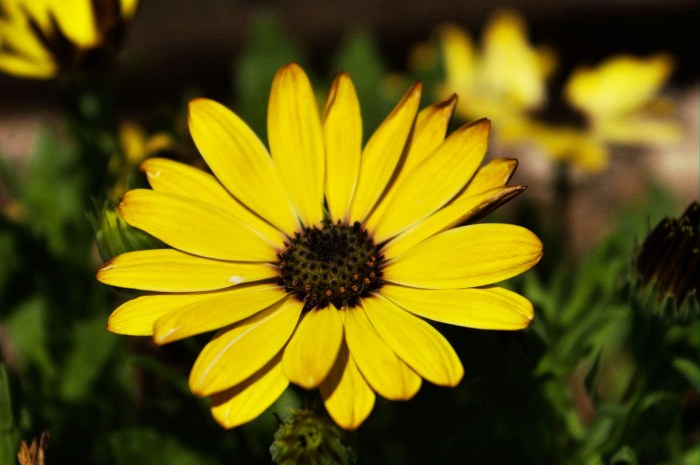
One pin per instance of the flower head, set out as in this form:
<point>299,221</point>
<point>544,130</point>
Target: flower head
<point>318,260</point>
<point>505,78</point>
<point>668,267</point>
<point>38,38</point>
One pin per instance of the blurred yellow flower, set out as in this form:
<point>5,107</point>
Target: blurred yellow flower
<point>136,145</point>
<point>504,80</point>
<point>620,99</point>
<point>620,104</point>
<point>317,260</point>
<point>38,38</point>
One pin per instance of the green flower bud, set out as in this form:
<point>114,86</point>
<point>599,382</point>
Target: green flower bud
<point>114,236</point>
<point>306,438</point>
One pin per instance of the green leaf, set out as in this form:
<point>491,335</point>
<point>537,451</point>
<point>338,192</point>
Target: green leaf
<point>56,197</point>
<point>27,324</point>
<point>269,48</point>
<point>690,369</point>
<point>91,350</point>
<point>624,456</point>
<point>591,379</point>
<point>9,436</point>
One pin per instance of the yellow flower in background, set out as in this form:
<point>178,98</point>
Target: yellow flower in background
<point>38,38</point>
<point>317,260</point>
<point>620,99</point>
<point>620,103</point>
<point>504,79</point>
<point>136,145</point>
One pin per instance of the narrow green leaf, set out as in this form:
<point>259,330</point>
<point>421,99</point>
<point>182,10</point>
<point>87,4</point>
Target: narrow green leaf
<point>8,433</point>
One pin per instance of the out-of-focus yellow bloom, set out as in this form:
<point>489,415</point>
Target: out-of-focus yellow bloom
<point>38,38</point>
<point>620,104</point>
<point>135,146</point>
<point>620,99</point>
<point>504,80</point>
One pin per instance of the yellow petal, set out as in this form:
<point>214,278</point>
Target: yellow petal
<point>237,353</point>
<point>346,395</point>
<point>483,308</point>
<point>241,162</point>
<point>495,173</point>
<point>510,64</point>
<point>457,212</point>
<point>418,344</point>
<point>432,183</point>
<point>342,131</point>
<point>171,177</point>
<point>77,22</point>
<point>620,84</point>
<point>382,152</point>
<point>469,256</point>
<point>250,398</point>
<point>136,317</point>
<point>195,227</point>
<point>296,141</point>
<point>169,270</point>
<point>22,67</point>
<point>384,371</point>
<point>221,309</point>
<point>428,133</point>
<point>313,349</point>
<point>128,8</point>
<point>458,55</point>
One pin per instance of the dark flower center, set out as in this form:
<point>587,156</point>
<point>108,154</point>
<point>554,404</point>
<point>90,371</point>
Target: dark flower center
<point>332,264</point>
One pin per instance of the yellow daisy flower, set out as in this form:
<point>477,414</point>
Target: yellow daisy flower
<point>318,260</point>
<point>621,101</point>
<point>38,38</point>
<point>505,78</point>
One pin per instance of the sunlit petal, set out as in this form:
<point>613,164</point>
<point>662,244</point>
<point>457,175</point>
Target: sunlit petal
<point>342,131</point>
<point>136,317</point>
<point>195,227</point>
<point>221,309</point>
<point>382,152</point>
<point>172,177</point>
<point>250,398</point>
<point>495,173</point>
<point>236,353</point>
<point>384,371</point>
<point>457,212</point>
<point>418,344</point>
<point>428,132</point>
<point>469,256</point>
<point>483,308</point>
<point>346,395</point>
<point>432,183</point>
<point>313,349</point>
<point>296,141</point>
<point>169,270</point>
<point>241,162</point>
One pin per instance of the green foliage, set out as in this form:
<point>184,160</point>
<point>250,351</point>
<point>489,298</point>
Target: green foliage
<point>269,48</point>
<point>8,431</point>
